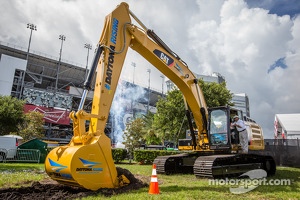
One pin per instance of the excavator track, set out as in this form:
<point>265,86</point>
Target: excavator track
<point>214,166</point>
<point>175,164</point>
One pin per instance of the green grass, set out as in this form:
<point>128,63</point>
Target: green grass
<point>189,187</point>
<point>177,187</point>
<point>20,174</point>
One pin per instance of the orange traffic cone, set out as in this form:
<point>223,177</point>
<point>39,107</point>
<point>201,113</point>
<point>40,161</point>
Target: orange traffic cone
<point>154,183</point>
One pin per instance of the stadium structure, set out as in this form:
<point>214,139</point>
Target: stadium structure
<point>54,87</point>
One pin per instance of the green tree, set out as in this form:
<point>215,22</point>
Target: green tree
<point>151,136</point>
<point>32,126</point>
<point>215,94</point>
<point>133,135</point>
<point>169,121</point>
<point>11,114</point>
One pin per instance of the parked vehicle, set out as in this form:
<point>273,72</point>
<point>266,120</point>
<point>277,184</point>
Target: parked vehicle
<point>8,146</point>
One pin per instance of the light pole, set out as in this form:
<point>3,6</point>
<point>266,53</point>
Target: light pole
<point>62,38</point>
<point>134,65</point>
<point>162,84</point>
<point>88,46</point>
<point>149,71</point>
<point>32,27</point>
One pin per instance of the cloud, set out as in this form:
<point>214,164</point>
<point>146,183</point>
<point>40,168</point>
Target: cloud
<point>242,43</point>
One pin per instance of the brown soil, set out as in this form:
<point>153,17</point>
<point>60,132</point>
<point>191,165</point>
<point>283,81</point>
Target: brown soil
<point>49,189</point>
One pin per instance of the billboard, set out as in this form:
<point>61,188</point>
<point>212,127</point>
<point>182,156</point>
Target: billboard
<point>51,115</point>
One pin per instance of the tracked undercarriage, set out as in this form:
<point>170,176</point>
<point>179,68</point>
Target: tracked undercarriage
<point>214,166</point>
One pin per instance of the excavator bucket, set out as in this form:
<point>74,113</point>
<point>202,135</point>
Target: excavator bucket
<point>90,166</point>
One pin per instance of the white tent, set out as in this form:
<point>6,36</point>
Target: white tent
<point>287,126</point>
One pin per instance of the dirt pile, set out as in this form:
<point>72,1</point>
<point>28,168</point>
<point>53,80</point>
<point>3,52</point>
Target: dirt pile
<point>50,190</point>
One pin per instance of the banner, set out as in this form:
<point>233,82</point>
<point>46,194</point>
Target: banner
<point>51,115</point>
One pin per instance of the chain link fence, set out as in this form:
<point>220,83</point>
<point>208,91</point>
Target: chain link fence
<point>286,152</point>
<point>23,155</point>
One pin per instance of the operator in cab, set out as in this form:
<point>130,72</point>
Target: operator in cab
<point>243,135</point>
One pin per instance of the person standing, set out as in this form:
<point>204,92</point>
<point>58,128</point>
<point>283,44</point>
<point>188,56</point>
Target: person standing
<point>243,135</point>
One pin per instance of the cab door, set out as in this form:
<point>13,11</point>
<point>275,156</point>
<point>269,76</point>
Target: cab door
<point>219,128</point>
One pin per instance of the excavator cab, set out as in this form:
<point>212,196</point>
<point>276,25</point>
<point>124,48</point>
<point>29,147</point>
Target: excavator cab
<point>219,133</point>
<point>219,129</point>
<point>222,137</point>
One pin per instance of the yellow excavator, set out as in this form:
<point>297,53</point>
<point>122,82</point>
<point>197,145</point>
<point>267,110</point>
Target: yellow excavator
<point>87,160</point>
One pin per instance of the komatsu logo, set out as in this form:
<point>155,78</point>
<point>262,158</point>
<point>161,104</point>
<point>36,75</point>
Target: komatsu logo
<point>164,57</point>
<point>114,31</point>
<point>56,166</point>
<point>109,69</point>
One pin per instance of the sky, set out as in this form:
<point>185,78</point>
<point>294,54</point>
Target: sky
<point>254,44</point>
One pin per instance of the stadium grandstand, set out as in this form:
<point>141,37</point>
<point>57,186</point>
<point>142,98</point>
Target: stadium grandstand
<point>54,87</point>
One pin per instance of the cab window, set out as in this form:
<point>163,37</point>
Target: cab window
<point>218,127</point>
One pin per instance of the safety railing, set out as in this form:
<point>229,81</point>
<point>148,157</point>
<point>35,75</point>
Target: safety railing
<point>23,155</point>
